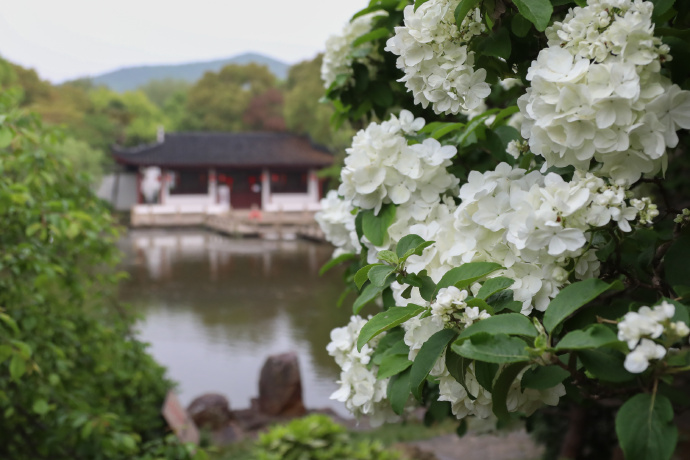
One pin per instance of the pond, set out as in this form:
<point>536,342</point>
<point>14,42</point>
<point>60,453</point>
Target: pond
<point>216,307</point>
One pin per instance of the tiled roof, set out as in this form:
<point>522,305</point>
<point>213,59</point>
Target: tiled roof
<point>226,149</point>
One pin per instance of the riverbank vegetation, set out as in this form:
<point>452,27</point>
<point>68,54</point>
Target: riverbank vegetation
<point>74,381</point>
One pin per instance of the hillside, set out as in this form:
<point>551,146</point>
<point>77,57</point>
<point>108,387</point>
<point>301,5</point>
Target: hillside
<point>130,78</point>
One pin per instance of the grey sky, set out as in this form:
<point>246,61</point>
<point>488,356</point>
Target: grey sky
<point>65,39</point>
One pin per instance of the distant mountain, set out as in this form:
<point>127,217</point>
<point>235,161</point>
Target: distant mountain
<point>130,78</point>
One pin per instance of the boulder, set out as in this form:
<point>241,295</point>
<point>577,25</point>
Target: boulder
<point>210,411</point>
<point>280,386</point>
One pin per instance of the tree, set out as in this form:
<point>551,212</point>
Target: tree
<point>75,383</point>
<point>218,101</point>
<point>506,202</point>
<point>306,113</point>
<point>160,91</point>
<point>265,112</point>
<point>84,159</point>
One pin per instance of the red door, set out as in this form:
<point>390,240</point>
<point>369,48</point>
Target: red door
<point>245,187</point>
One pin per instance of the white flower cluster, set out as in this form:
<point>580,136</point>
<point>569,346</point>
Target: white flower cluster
<point>597,93</point>
<point>381,167</point>
<point>359,389</point>
<point>432,50</point>
<point>450,305</point>
<point>472,399</point>
<point>535,225</point>
<point>338,223</point>
<point>638,328</point>
<point>337,60</point>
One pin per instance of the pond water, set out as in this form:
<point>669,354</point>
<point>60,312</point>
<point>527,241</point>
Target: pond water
<point>215,308</point>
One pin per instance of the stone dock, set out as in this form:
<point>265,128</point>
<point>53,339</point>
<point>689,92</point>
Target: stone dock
<point>277,225</point>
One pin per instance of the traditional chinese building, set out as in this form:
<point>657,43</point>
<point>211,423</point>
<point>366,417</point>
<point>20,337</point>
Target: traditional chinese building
<point>211,173</point>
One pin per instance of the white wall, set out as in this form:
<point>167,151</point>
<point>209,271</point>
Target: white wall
<point>290,202</point>
<point>126,190</point>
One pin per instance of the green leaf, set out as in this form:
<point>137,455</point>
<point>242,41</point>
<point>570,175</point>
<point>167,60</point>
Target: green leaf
<point>485,374</point>
<point>386,320</point>
<point>496,44</point>
<point>503,114</point>
<point>5,352</point>
<point>475,123</point>
<point>466,274</point>
<point>362,275</point>
<point>461,430</point>
<point>507,323</point>
<point>17,367</point>
<point>457,366</point>
<point>375,228</point>
<point>543,377</point>
<point>368,294</point>
<point>594,336</point>
<point>381,94</point>
<point>379,274</point>
<point>573,297</point>
<point>538,12</point>
<point>504,301</point>
<point>375,34</point>
<point>391,365</point>
<point>337,260</point>
<point>418,251</point>
<point>605,364</point>
<point>661,7</point>
<point>474,302</point>
<point>426,358</point>
<point>493,348</point>
<point>431,127</point>
<point>645,429</point>
<point>10,322</point>
<point>418,3</point>
<point>398,391</point>
<point>388,256</point>
<point>463,9</point>
<point>520,26</point>
<point>494,285</point>
<point>447,128</point>
<point>425,284</point>
<point>40,406</point>
<point>437,412</point>
<point>677,269</point>
<point>499,395</point>
<point>408,243</point>
<point>5,136</point>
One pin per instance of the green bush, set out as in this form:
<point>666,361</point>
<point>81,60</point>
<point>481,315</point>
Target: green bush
<point>317,437</point>
<point>74,382</point>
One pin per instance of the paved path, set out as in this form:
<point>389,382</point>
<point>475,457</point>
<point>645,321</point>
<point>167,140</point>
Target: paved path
<point>516,445</point>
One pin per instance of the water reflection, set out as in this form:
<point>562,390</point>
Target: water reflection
<point>216,307</point>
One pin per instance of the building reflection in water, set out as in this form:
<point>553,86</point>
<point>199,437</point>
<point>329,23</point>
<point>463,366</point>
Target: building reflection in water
<point>216,307</point>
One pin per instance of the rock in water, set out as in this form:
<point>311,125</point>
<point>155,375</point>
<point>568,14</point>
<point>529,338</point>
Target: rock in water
<point>280,386</point>
<point>210,411</point>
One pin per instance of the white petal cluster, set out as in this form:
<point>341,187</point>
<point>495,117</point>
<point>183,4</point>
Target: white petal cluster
<point>472,399</point>
<point>381,167</point>
<point>439,69</point>
<point>637,361</point>
<point>533,224</point>
<point>450,306</point>
<point>359,389</point>
<point>476,400</point>
<point>638,328</point>
<point>597,93</point>
<point>337,59</point>
<point>338,223</point>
